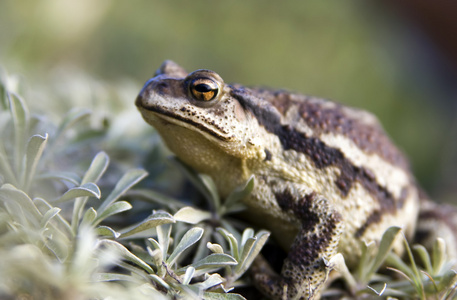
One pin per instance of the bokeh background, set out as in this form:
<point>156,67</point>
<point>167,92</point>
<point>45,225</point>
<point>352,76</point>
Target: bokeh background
<point>397,59</point>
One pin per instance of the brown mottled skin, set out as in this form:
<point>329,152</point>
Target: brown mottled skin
<point>326,176</point>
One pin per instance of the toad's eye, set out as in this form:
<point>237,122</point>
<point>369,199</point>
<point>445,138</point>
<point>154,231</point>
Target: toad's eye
<point>204,89</point>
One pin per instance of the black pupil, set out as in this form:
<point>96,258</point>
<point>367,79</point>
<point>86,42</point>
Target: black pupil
<point>203,88</point>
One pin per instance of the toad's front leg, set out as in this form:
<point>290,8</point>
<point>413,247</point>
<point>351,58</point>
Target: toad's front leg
<point>304,270</point>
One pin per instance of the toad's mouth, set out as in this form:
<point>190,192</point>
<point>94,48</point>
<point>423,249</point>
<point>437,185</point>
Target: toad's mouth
<point>171,117</point>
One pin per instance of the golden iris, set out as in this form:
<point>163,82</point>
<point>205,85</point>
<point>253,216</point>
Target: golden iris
<point>204,89</point>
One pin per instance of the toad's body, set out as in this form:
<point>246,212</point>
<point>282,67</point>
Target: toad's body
<point>326,176</point>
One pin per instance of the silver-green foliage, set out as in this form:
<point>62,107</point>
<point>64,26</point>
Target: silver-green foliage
<point>58,247</point>
<point>437,280</point>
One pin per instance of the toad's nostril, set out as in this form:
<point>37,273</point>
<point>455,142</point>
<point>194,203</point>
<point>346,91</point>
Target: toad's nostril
<point>161,87</point>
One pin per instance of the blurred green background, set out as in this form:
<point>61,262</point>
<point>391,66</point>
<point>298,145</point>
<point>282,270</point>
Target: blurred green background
<point>367,54</point>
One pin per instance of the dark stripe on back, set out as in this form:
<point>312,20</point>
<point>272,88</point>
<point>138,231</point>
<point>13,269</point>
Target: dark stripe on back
<point>369,138</point>
<point>322,119</point>
<point>322,155</point>
<point>440,213</point>
<point>375,217</point>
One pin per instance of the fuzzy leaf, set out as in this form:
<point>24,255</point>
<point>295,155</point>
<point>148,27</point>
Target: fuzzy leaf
<point>191,215</point>
<point>107,231</point>
<point>211,281</point>
<point>5,167</point>
<point>157,260</point>
<point>96,168</point>
<point>112,277</point>
<point>154,244</point>
<point>72,117</point>
<point>248,233</point>
<point>235,208</point>
<point>126,254</point>
<point>49,215</point>
<point>386,244</point>
<point>448,281</point>
<point>43,206</point>
<point>438,255</point>
<point>250,250</point>
<point>89,216</point>
<point>188,275</point>
<point>58,244</point>
<point>215,248</point>
<point>212,261</point>
<point>239,193</point>
<point>115,208</point>
<point>417,276</point>
<point>157,198</point>
<point>232,242</point>
<point>202,182</point>
<point>191,237</point>
<point>11,195</point>
<point>93,174</point>
<point>227,225</point>
<point>20,115</point>
<point>35,148</point>
<point>70,177</point>
<point>126,182</point>
<point>160,281</point>
<point>86,190</point>
<point>368,250</point>
<point>397,264</point>
<point>163,236</point>
<point>337,262</point>
<point>153,221</point>
<point>202,249</point>
<point>425,258</point>
<point>189,291</point>
<point>212,189</point>
<point>222,296</point>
